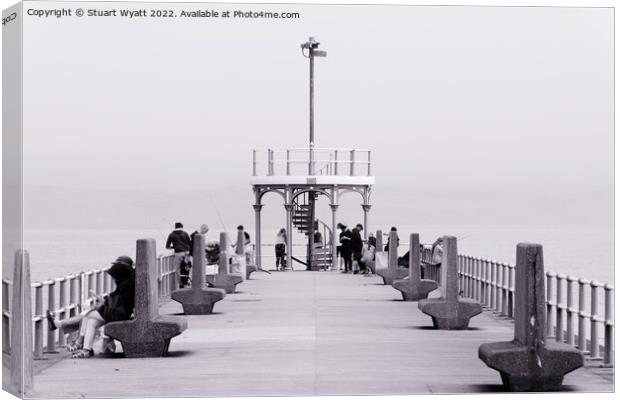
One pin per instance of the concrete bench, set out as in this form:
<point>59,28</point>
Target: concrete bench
<point>198,300</point>
<point>224,279</point>
<point>450,311</point>
<point>530,362</point>
<point>149,334</point>
<point>392,271</point>
<point>414,288</point>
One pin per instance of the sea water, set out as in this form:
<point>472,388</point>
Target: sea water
<point>584,253</point>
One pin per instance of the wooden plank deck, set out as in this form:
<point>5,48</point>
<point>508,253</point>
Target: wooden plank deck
<point>304,333</point>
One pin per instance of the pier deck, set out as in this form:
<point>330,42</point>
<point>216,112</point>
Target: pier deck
<point>304,333</point>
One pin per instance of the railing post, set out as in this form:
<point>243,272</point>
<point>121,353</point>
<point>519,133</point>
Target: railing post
<point>38,325</point>
<point>511,291</point>
<point>505,273</point>
<point>62,304</point>
<point>6,329</point>
<point>160,277</point>
<point>51,305</point>
<point>91,287</point>
<point>609,325</point>
<point>468,275</point>
<point>480,282</point>
<point>106,281</point>
<point>498,288</point>
<point>550,332</point>
<point>171,276</point>
<point>582,316</point>
<point>594,352</point>
<point>491,285</point>
<point>270,161</point>
<point>559,315</point>
<point>369,174</point>
<point>352,171</point>
<point>335,162</point>
<point>288,162</point>
<point>483,283</point>
<point>100,278</point>
<point>253,162</point>
<point>72,296</point>
<point>80,293</point>
<point>570,311</point>
<point>487,287</point>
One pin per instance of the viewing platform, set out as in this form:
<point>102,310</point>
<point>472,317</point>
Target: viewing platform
<point>301,176</point>
<point>318,166</point>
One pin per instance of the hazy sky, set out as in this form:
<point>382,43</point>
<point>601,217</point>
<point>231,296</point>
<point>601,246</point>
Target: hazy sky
<point>472,113</point>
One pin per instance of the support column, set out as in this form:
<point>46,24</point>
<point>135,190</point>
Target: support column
<point>334,208</point>
<point>289,235</point>
<point>257,250</point>
<point>366,208</point>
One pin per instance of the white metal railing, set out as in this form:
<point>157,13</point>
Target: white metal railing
<point>317,161</point>
<point>492,284</point>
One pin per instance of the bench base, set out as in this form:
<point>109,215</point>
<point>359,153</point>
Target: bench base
<point>198,302</point>
<point>519,369</point>
<point>390,275</point>
<point>146,338</point>
<point>414,291</point>
<point>227,282</point>
<point>450,315</point>
<point>249,269</point>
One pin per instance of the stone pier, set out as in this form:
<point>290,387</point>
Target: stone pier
<point>450,311</point>
<point>414,288</point>
<point>531,361</point>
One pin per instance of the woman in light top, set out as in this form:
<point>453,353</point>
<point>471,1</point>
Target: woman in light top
<point>281,249</point>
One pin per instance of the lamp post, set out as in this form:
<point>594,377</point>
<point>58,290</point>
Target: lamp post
<point>312,46</point>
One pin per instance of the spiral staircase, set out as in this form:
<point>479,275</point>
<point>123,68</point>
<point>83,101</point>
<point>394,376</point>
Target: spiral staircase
<point>302,220</point>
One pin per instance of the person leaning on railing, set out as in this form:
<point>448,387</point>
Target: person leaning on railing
<point>117,306</point>
<point>180,242</point>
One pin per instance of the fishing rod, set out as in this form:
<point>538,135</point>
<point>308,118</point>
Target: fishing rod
<point>219,216</point>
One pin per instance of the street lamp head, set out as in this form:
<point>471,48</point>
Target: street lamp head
<point>310,44</point>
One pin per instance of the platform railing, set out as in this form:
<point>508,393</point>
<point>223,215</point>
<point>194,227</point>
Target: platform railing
<point>572,316</point>
<point>317,161</point>
<point>68,296</point>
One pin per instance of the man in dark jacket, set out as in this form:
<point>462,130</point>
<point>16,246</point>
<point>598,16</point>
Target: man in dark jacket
<point>180,242</point>
<point>345,246</point>
<point>356,247</point>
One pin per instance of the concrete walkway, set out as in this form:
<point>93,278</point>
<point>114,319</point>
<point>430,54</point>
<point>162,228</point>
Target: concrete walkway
<point>304,333</point>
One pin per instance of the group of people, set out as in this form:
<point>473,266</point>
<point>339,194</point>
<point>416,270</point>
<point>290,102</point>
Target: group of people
<point>182,243</point>
<point>357,256</point>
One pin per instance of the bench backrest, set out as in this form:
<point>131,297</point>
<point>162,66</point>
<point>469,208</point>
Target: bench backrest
<point>198,267</point>
<point>529,295</point>
<point>147,307</point>
<point>414,257</point>
<point>449,270</point>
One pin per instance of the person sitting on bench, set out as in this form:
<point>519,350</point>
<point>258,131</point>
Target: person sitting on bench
<point>117,306</point>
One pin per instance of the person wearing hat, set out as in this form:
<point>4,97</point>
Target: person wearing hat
<point>180,242</point>
<point>117,306</point>
<point>387,244</point>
